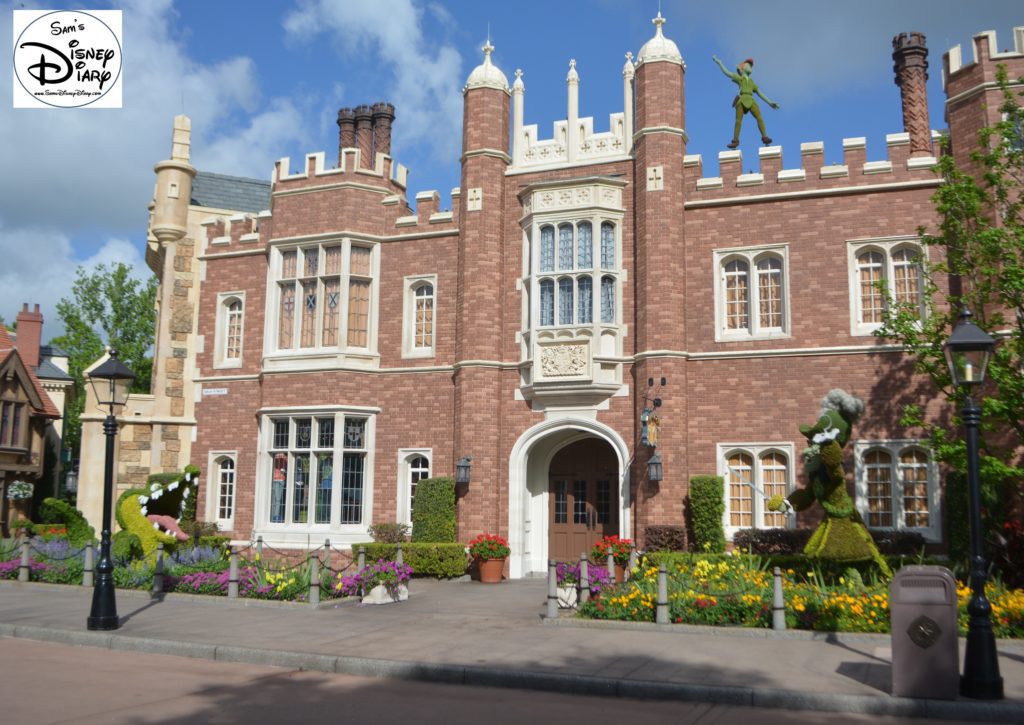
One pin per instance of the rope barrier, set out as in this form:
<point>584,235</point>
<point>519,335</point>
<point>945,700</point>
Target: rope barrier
<point>51,557</point>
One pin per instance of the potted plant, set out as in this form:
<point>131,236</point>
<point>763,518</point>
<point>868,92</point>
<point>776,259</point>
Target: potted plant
<point>489,551</point>
<point>618,548</point>
<point>384,582</point>
<point>19,493</point>
<point>568,582</point>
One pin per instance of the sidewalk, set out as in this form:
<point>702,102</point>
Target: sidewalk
<point>468,633</point>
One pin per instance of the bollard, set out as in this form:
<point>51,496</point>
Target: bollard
<point>233,575</point>
<point>552,590</point>
<point>661,614</point>
<point>778,603</point>
<point>327,553</point>
<point>259,547</point>
<point>87,565</point>
<point>611,567</point>
<point>399,559</point>
<point>314,580</point>
<point>584,579</point>
<point>158,575</point>
<point>361,561</point>
<point>633,561</point>
<point>23,569</point>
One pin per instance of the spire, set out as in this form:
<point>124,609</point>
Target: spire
<point>659,47</point>
<point>487,75</point>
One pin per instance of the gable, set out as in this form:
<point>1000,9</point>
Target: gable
<point>14,373</point>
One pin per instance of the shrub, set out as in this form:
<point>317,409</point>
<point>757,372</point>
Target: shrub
<point>22,525</point>
<point>892,542</point>
<point>665,538</point>
<point>772,541</point>
<point>433,511</point>
<point>55,511</point>
<point>125,547</point>
<point>389,533</point>
<point>197,529</point>
<point>707,507</point>
<point>439,560</point>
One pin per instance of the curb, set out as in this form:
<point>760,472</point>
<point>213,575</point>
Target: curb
<point>545,681</point>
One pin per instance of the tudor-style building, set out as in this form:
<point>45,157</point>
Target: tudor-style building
<point>320,356</point>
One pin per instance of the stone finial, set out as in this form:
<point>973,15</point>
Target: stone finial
<point>487,74</point>
<point>181,138</point>
<point>628,69</point>
<point>573,76</point>
<point>518,85</point>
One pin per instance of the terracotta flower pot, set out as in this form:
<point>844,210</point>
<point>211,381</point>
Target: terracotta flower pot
<point>490,570</point>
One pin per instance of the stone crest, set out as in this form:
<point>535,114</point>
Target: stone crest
<point>563,361</point>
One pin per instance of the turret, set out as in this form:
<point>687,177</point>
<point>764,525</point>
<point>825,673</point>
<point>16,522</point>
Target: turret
<point>174,186</point>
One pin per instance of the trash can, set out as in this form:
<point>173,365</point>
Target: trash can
<point>923,611</point>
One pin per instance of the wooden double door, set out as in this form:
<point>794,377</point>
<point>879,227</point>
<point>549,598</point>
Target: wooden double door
<point>583,498</point>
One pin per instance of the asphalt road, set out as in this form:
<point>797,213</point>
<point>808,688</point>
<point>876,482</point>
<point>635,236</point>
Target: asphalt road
<point>44,682</point>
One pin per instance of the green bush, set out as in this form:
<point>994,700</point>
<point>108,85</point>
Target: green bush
<point>126,546</point>
<point>55,511</point>
<point>388,533</point>
<point>665,538</point>
<point>440,560</point>
<point>771,541</point>
<point>433,511</point>
<point>220,542</point>
<point>706,509</point>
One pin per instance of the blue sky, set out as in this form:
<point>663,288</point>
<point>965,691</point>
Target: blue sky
<point>265,80</point>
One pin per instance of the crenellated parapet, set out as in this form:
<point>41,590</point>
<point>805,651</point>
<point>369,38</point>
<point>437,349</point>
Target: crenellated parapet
<point>812,174</point>
<point>315,172</point>
<point>234,232</point>
<point>984,48</point>
<point>429,215</point>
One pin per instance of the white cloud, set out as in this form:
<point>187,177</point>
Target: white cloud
<point>426,73</point>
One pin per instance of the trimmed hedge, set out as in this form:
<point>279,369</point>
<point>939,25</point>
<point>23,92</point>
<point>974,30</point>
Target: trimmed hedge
<point>440,560</point>
<point>55,511</point>
<point>665,538</point>
<point>772,541</point>
<point>433,511</point>
<point>892,542</point>
<point>707,509</point>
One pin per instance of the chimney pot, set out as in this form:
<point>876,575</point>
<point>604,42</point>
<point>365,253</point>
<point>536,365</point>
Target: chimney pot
<point>910,64</point>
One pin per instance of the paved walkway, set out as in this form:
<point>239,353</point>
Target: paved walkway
<point>469,633</point>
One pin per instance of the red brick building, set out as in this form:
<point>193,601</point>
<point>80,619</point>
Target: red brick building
<point>331,347</point>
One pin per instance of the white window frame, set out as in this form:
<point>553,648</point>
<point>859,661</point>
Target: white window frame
<point>932,532</point>
<point>886,246</point>
<point>758,504</point>
<point>298,534</point>
<point>405,458</point>
<point>220,359</point>
<point>751,256</point>
<point>411,284</point>
<point>214,459</point>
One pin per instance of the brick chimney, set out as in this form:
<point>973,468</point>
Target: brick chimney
<point>30,334</point>
<point>364,135</point>
<point>346,130</point>
<point>910,63</point>
<point>383,116</point>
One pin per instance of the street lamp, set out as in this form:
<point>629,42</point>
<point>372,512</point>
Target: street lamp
<point>967,353</point>
<point>110,382</point>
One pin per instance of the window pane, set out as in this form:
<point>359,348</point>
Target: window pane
<point>358,312</point>
<point>233,336</point>
<point>607,299</point>
<point>419,468</point>
<point>769,293</point>
<point>906,278</point>
<point>737,298</point>
<point>332,260</point>
<point>226,493</point>
<point>332,308</point>
<point>303,432</point>
<point>607,245</point>
<point>741,468</point>
<point>878,471</point>
<point>277,488</point>
<point>312,260</point>
<point>561,502</point>
<point>585,302</point>
<point>914,476</point>
<point>5,418</point>
<point>547,302</point>
<point>565,246</point>
<point>424,317</point>
<point>773,483</point>
<point>352,488</point>
<point>280,434</point>
<point>324,483</point>
<point>360,261</point>
<point>16,415</point>
<point>288,260</point>
<point>286,315</point>
<point>869,268</point>
<point>309,303</point>
<point>355,431</point>
<point>325,432</point>
<point>300,490</point>
<point>585,246</point>
<point>565,301</point>
<point>579,502</point>
<point>547,249</point>
<point>604,501</point>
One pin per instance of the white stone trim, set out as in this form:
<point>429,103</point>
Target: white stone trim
<point>758,508</point>
<point>213,484</point>
<point>403,514</point>
<point>932,532</point>
<point>410,284</point>
<point>885,246</point>
<point>751,255</point>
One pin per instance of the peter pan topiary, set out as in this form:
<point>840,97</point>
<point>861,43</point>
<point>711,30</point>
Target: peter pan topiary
<point>153,513</point>
<point>841,536</point>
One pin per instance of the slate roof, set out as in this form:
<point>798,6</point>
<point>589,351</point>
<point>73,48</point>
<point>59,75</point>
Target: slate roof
<point>230,192</point>
<point>48,371</point>
<point>51,351</point>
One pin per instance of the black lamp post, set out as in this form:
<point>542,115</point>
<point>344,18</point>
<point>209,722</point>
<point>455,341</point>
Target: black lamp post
<point>967,353</point>
<point>110,381</point>
<point>462,471</point>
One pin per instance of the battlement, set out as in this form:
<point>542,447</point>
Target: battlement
<point>812,174</point>
<point>428,212</point>
<point>237,230</point>
<point>984,47</point>
<point>350,162</point>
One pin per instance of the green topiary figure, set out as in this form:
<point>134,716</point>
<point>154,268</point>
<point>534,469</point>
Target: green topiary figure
<point>154,513</point>
<point>841,536</point>
<point>55,511</point>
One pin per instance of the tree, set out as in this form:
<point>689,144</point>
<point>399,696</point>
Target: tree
<point>981,236</point>
<point>107,307</point>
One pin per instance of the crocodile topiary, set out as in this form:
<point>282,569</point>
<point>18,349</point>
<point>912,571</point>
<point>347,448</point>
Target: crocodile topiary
<point>154,513</point>
<point>841,536</point>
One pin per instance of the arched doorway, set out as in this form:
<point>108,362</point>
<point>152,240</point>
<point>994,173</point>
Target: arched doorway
<point>531,501</point>
<point>582,498</point>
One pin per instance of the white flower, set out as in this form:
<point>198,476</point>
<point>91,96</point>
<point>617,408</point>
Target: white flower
<point>829,434</point>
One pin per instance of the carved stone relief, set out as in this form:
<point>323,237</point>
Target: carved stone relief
<point>563,361</point>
